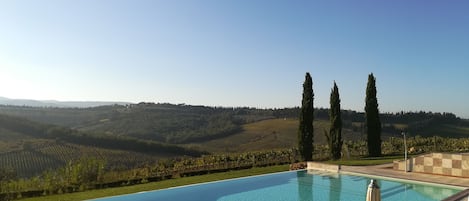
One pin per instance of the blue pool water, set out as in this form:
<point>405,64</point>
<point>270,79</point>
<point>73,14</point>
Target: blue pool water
<point>293,186</point>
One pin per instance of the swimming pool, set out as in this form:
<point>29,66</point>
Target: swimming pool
<point>294,186</point>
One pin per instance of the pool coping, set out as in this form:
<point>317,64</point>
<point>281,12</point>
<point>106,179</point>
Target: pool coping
<point>345,172</point>
<point>384,171</point>
<point>197,184</point>
<point>403,180</point>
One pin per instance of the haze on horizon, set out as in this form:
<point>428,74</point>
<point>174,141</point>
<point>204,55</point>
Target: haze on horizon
<point>237,53</point>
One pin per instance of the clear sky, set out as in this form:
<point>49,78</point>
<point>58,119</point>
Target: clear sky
<point>238,52</point>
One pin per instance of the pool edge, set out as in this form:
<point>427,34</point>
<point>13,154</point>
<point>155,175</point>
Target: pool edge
<point>196,184</point>
<point>404,180</point>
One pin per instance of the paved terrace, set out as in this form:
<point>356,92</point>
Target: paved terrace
<point>386,170</point>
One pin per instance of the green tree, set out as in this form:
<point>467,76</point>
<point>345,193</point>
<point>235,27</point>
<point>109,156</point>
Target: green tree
<point>305,130</point>
<point>334,136</point>
<point>372,121</point>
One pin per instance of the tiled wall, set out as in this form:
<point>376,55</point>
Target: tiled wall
<point>438,163</point>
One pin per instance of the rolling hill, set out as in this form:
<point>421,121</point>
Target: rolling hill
<point>269,134</point>
<point>57,104</point>
<point>33,139</point>
<point>31,148</point>
<point>185,124</point>
<point>158,122</point>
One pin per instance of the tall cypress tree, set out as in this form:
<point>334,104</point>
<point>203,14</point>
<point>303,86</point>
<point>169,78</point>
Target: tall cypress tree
<point>305,130</point>
<point>373,123</point>
<point>334,137</point>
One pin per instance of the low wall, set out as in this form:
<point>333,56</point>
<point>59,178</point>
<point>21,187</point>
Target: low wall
<point>323,167</point>
<point>400,165</point>
<point>438,163</point>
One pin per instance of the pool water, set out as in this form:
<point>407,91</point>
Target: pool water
<point>294,186</point>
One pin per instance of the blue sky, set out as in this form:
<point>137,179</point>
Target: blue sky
<point>238,52</point>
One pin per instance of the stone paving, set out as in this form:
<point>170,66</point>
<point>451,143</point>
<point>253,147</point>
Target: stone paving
<point>386,170</point>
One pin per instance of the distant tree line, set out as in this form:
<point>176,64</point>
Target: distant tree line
<point>179,124</point>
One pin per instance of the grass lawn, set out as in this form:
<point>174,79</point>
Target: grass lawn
<point>161,184</point>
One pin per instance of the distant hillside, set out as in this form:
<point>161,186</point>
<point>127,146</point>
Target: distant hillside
<point>159,122</point>
<point>271,134</point>
<point>31,148</point>
<point>67,117</point>
<point>54,103</point>
<point>32,157</point>
<point>24,127</point>
<point>135,134</point>
<point>185,124</point>
<point>282,133</point>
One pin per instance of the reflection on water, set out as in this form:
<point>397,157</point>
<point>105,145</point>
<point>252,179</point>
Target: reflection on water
<point>335,188</point>
<point>294,186</point>
<point>305,186</point>
<point>324,186</point>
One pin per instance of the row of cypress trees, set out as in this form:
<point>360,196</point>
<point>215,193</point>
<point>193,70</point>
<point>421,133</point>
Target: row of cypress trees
<point>334,135</point>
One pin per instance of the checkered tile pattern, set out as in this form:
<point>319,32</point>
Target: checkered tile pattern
<point>438,163</point>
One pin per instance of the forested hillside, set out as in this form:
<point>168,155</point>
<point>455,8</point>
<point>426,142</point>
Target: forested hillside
<point>182,124</point>
<point>33,139</point>
<point>158,122</point>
